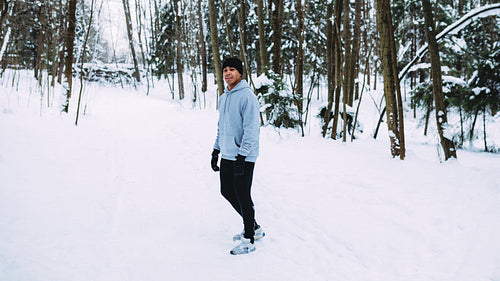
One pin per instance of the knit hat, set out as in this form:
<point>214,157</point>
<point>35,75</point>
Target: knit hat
<point>233,62</point>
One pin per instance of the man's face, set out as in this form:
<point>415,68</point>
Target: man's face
<point>232,76</point>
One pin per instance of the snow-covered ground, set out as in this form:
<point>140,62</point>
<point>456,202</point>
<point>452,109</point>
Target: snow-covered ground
<point>128,194</point>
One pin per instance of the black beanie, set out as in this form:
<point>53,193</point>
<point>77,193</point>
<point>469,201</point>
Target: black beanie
<point>233,62</point>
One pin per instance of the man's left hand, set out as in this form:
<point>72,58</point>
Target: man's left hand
<point>239,165</point>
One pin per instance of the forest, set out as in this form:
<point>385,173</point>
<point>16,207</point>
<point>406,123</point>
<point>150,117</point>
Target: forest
<point>378,149</point>
<point>433,59</point>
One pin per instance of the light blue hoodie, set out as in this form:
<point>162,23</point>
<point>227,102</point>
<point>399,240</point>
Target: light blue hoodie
<point>239,124</point>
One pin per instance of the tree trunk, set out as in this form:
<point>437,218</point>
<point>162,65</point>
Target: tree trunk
<point>179,56</point>
<point>330,67</point>
<point>338,64</point>
<point>4,14</point>
<point>70,43</point>
<point>82,61</point>
<point>242,15</point>
<point>62,38</point>
<point>484,130</point>
<point>40,41</point>
<point>277,33</point>
<point>367,46</point>
<point>437,83</point>
<point>384,27</point>
<point>54,50</point>
<point>128,21</point>
<point>264,61</point>
<point>460,7</point>
<point>399,99</point>
<point>462,138</point>
<point>5,17</point>
<point>215,46</point>
<point>203,49</point>
<point>228,30</point>
<point>427,115</point>
<point>138,10</point>
<point>355,48</point>
<point>376,51</point>
<point>347,40</point>
<point>299,79</point>
<point>348,67</point>
<point>243,49</point>
<point>473,125</point>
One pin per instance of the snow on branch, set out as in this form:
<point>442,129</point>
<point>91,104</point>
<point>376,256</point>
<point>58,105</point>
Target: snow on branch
<point>481,12</point>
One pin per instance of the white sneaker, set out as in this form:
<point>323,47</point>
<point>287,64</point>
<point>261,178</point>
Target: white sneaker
<point>244,247</point>
<point>259,233</point>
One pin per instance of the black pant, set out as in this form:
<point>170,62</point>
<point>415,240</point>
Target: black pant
<point>236,189</point>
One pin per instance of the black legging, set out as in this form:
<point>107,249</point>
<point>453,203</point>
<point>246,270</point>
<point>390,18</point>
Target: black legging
<point>236,189</point>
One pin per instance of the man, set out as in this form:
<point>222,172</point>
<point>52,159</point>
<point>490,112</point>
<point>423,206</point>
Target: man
<point>238,132</point>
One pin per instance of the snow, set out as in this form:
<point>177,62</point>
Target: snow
<point>478,90</point>
<point>447,132</point>
<point>403,51</point>
<point>420,66</point>
<point>453,29</point>
<point>480,12</point>
<point>4,44</point>
<point>454,80</point>
<point>128,194</point>
<point>261,81</point>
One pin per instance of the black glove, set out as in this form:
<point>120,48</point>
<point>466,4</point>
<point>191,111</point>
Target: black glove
<point>239,165</point>
<point>215,159</point>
